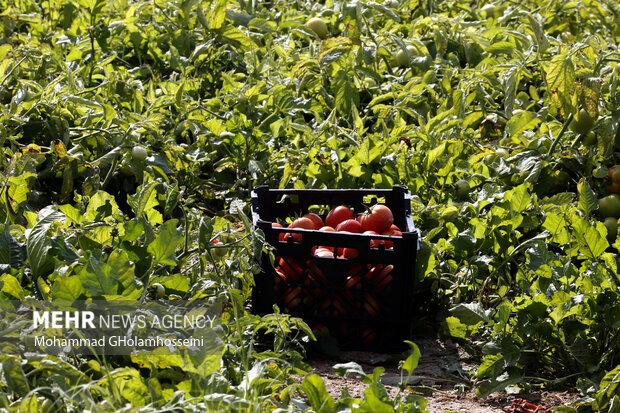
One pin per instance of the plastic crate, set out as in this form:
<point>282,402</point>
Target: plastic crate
<point>365,302</point>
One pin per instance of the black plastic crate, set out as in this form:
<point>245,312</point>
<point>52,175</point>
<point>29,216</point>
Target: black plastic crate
<point>366,301</point>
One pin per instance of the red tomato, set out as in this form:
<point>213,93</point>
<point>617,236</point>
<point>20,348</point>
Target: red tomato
<point>378,219</point>
<point>394,231</point>
<point>337,215</point>
<point>323,252</point>
<point>318,222</point>
<point>329,229</point>
<point>350,225</point>
<point>304,223</point>
<point>374,243</point>
<point>348,253</point>
<point>281,234</point>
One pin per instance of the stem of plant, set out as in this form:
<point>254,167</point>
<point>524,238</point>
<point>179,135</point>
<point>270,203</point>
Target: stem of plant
<point>569,119</point>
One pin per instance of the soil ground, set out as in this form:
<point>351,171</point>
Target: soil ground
<point>442,377</point>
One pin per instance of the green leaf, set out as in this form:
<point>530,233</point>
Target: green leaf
<point>314,389</point>
<point>519,198</point>
<point>68,288</point>
<point>588,201</point>
<point>145,203</point>
<point>512,376</point>
<point>10,250</point>
<point>411,362</point>
<point>217,15</point>
<point>101,206</point>
<point>498,48</point>
<point>524,121</point>
<point>560,76</point>
<point>10,286</point>
<point>346,93</point>
<point>347,368</point>
<point>39,242</point>
<point>608,388</point>
<point>470,313</point>
<point>14,375</point>
<point>165,244</point>
<point>591,242</point>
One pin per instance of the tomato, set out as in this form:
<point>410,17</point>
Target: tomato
<point>488,11</point>
<point>318,26</point>
<point>462,189</point>
<point>582,123</point>
<point>302,223</point>
<point>590,139</point>
<point>609,206</point>
<point>378,219</point>
<point>281,234</point>
<point>612,229</point>
<point>324,252</point>
<point>613,180</point>
<point>318,222</point>
<point>219,251</point>
<point>394,231</point>
<point>402,58</point>
<point>157,290</point>
<point>350,225</point>
<point>348,253</point>
<point>337,215</point>
<point>138,153</point>
<point>374,243</point>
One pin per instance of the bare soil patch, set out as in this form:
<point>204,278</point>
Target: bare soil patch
<point>441,376</point>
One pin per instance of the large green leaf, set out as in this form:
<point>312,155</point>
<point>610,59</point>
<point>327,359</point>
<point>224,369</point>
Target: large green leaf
<point>165,244</point>
<point>11,251</point>
<point>39,242</point>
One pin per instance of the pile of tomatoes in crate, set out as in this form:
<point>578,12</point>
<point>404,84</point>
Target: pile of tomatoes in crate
<point>301,284</point>
<point>378,220</point>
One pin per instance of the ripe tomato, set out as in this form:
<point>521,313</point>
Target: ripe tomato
<point>337,215</point>
<point>348,253</point>
<point>394,231</point>
<point>323,252</point>
<point>374,243</point>
<point>318,222</point>
<point>328,229</point>
<point>304,223</point>
<point>281,234</point>
<point>350,225</point>
<point>378,219</point>
<point>613,180</point>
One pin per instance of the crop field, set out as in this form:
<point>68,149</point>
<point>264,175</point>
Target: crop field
<point>133,132</point>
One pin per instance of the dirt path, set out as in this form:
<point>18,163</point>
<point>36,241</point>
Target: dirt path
<point>441,376</point>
